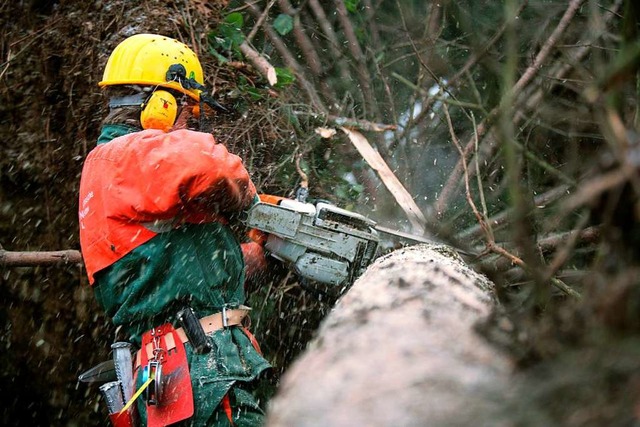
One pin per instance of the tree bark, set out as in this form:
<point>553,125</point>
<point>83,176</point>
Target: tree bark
<point>400,349</point>
<point>32,259</point>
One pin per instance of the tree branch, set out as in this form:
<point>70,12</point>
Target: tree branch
<point>32,259</point>
<point>528,100</point>
<point>291,62</point>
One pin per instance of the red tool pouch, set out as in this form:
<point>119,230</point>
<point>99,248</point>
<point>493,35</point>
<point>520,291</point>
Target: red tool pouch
<point>173,398</point>
<point>124,419</point>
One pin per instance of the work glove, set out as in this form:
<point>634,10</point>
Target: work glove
<point>255,259</point>
<point>257,236</point>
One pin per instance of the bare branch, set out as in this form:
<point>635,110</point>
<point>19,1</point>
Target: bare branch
<point>528,101</point>
<point>502,218</point>
<point>331,36</point>
<point>308,50</point>
<point>399,192</point>
<point>260,63</point>
<point>593,188</point>
<point>531,71</point>
<point>32,259</point>
<point>305,45</point>
<point>490,242</point>
<point>363,125</point>
<point>260,21</point>
<point>291,62</point>
<point>358,55</point>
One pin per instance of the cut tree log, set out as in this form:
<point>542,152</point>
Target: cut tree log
<point>400,349</point>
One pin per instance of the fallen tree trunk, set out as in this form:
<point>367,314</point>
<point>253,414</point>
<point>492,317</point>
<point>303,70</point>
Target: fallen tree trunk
<point>400,349</point>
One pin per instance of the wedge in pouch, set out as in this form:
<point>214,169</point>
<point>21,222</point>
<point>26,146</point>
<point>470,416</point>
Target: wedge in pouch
<point>112,395</point>
<point>123,363</point>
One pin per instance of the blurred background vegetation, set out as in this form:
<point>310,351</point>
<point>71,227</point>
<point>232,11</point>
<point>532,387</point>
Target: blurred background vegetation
<point>513,125</point>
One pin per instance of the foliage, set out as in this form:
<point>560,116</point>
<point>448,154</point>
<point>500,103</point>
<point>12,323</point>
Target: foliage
<point>517,123</point>
<point>283,24</point>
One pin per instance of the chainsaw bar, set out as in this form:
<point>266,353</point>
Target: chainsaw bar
<point>420,239</point>
<point>402,234</point>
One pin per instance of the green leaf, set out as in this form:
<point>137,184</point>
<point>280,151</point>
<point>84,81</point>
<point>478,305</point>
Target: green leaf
<point>235,19</point>
<point>285,77</point>
<point>254,93</point>
<point>283,24</point>
<point>230,31</point>
<point>351,5</point>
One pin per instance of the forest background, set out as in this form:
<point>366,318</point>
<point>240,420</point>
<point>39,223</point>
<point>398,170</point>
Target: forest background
<point>512,126</point>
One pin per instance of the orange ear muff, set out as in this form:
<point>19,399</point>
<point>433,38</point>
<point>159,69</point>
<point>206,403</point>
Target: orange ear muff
<point>159,111</point>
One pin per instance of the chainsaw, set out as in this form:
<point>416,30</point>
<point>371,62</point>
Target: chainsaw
<point>321,242</point>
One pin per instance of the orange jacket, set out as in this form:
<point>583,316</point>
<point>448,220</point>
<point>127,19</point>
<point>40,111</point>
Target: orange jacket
<point>139,183</point>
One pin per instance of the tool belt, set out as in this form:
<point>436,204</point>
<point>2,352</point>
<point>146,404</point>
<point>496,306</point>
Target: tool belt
<point>211,323</point>
<point>162,355</point>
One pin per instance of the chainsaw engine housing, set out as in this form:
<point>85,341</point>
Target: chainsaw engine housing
<point>322,242</point>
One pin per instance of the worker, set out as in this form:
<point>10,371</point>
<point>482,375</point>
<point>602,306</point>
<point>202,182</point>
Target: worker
<point>157,202</point>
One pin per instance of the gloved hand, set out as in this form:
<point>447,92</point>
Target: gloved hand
<point>255,260</point>
<point>258,236</point>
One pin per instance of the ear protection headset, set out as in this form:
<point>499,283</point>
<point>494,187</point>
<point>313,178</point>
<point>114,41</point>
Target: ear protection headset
<point>159,111</point>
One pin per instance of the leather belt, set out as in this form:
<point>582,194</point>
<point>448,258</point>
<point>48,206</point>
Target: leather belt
<point>220,320</point>
<point>211,323</point>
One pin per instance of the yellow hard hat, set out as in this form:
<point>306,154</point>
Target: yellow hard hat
<point>155,60</point>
